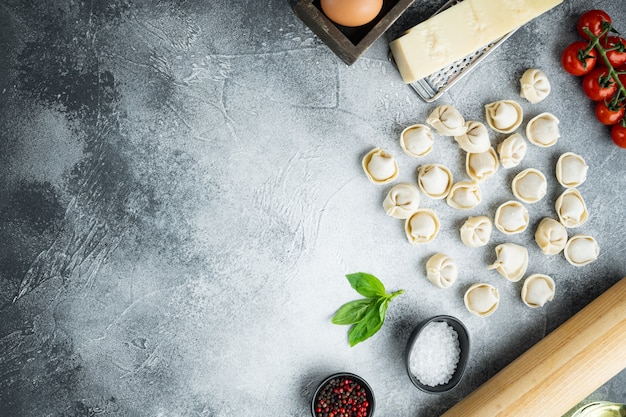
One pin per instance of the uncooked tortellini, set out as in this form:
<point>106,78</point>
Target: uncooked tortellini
<point>434,180</point>
<point>464,195</point>
<point>511,262</point>
<point>571,208</point>
<point>511,218</point>
<point>441,270</point>
<point>402,201</point>
<point>447,121</point>
<point>476,139</point>
<point>512,150</point>
<point>537,290</point>
<point>571,170</point>
<point>417,140</point>
<point>481,299</point>
<point>534,85</point>
<point>476,231</point>
<point>422,226</point>
<point>581,250</point>
<point>480,166</point>
<point>530,185</point>
<point>504,116</point>
<point>543,130</point>
<point>380,166</point>
<point>551,236</point>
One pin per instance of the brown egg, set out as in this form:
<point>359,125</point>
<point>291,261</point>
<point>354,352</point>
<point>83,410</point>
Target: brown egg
<point>351,12</point>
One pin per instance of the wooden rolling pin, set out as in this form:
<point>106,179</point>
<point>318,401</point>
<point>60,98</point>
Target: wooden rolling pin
<point>562,369</point>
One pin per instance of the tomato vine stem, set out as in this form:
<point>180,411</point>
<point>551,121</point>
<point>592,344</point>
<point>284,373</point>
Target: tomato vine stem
<point>595,43</point>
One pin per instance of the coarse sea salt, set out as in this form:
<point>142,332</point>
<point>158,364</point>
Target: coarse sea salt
<point>435,354</point>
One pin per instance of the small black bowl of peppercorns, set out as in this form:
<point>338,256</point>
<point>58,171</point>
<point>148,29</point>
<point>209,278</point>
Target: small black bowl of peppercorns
<point>343,395</point>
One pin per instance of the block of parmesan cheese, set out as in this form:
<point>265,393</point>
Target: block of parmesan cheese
<point>458,31</point>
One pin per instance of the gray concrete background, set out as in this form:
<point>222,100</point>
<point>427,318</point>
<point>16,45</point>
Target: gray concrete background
<point>181,196</point>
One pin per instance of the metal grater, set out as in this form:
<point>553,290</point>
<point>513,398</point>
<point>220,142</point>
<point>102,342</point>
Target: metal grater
<point>432,87</point>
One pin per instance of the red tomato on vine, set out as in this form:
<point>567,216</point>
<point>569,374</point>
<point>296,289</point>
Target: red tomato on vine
<point>577,60</point>
<point>609,114</point>
<point>615,51</point>
<point>599,85</point>
<point>596,21</point>
<point>618,133</point>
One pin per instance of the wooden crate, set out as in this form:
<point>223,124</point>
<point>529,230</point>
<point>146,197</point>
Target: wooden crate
<point>346,42</point>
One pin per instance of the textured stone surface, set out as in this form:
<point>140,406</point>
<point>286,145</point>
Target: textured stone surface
<point>181,196</point>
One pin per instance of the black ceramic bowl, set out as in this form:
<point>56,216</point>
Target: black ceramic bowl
<point>464,345</point>
<point>341,376</point>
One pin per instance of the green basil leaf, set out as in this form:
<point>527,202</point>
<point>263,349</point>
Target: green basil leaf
<point>382,310</point>
<point>367,285</point>
<point>369,325</point>
<point>352,312</point>
<point>366,315</point>
<point>394,295</point>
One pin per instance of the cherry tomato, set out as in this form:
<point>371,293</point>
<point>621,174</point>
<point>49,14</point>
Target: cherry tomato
<point>617,57</point>
<point>575,61</point>
<point>598,84</point>
<point>618,133</point>
<point>594,20</point>
<point>608,116</point>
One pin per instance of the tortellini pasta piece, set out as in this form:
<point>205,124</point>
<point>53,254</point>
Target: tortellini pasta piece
<point>434,180</point>
<point>571,208</point>
<point>551,236</point>
<point>447,121</point>
<point>504,116</point>
<point>417,140</point>
<point>581,250</point>
<point>422,226</point>
<point>480,166</point>
<point>441,270</point>
<point>571,170</point>
<point>476,139</point>
<point>511,218</point>
<point>530,185</point>
<point>511,262</point>
<point>534,85</point>
<point>512,150</point>
<point>537,290</point>
<point>476,231</point>
<point>464,195</point>
<point>543,130</point>
<point>380,166</point>
<point>402,201</point>
<point>481,299</point>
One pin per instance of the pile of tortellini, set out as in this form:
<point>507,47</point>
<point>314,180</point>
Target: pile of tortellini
<point>482,162</point>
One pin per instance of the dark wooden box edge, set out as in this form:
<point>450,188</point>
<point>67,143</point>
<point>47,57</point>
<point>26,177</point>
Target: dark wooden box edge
<point>330,34</point>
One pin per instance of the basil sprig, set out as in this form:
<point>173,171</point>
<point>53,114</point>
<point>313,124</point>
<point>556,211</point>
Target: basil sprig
<point>366,315</point>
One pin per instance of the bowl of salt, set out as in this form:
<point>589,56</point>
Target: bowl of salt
<point>436,354</point>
